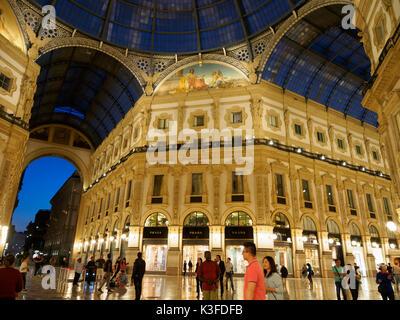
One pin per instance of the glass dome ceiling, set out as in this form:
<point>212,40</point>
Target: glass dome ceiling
<point>172,26</point>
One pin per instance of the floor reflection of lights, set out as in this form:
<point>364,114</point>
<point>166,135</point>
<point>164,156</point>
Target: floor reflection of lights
<point>162,287</point>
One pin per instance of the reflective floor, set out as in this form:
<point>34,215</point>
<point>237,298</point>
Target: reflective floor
<point>161,287</point>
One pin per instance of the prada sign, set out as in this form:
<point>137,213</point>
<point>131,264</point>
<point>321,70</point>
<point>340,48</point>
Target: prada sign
<point>238,232</point>
<point>196,233</point>
<point>155,232</point>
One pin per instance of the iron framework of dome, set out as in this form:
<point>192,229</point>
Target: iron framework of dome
<point>172,26</point>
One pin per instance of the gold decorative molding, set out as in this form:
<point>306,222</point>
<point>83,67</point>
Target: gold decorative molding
<point>190,120</point>
<point>380,19</point>
<point>228,113</point>
<point>275,114</point>
<point>158,117</point>
<point>13,82</point>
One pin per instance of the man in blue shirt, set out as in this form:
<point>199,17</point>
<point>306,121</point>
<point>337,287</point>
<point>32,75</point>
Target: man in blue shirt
<point>339,274</point>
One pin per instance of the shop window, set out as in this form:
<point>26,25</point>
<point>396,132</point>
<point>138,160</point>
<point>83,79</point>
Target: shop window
<point>238,219</point>
<point>196,219</point>
<point>156,220</point>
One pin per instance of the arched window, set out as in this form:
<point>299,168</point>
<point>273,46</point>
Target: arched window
<point>196,219</point>
<point>280,221</point>
<point>373,232</point>
<point>115,228</point>
<point>333,228</point>
<point>238,219</point>
<point>127,224</point>
<point>106,229</point>
<point>309,225</point>
<point>282,227</point>
<point>354,230</point>
<point>156,220</point>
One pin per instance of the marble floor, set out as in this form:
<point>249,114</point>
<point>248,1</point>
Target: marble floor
<point>162,287</point>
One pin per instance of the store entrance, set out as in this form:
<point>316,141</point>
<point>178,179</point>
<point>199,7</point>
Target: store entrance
<point>192,253</point>
<point>155,256</point>
<point>283,257</point>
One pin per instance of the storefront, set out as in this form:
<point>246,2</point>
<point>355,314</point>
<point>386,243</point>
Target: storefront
<point>376,247</point>
<point>357,248</point>
<point>195,238</point>
<point>238,229</point>
<point>335,242</point>
<point>155,243</point>
<point>283,242</point>
<point>311,245</point>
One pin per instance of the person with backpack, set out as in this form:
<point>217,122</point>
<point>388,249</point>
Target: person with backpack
<point>284,275</point>
<point>208,274</point>
<point>384,279</point>
<point>107,274</point>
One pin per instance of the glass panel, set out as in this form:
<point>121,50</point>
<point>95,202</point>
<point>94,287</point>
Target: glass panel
<point>308,224</point>
<point>306,191</point>
<point>198,219</point>
<point>157,185</point>
<point>369,202</point>
<point>279,185</point>
<point>329,195</point>
<point>197,182</point>
<point>350,198</point>
<point>156,220</point>
<point>237,184</point>
<point>156,257</point>
<point>386,204</point>
<point>333,227</point>
<point>235,253</point>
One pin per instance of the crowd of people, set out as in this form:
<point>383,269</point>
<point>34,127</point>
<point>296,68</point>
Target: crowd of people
<point>266,281</point>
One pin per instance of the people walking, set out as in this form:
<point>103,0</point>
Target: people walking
<point>117,267</point>
<point>10,279</point>
<point>107,274</point>
<point>91,270</point>
<point>284,274</point>
<point>310,274</point>
<point>339,274</point>
<point>221,265</point>
<point>273,281</point>
<point>384,280</point>
<point>229,273</point>
<point>78,267</point>
<point>38,263</point>
<point>208,273</point>
<point>24,270</point>
<point>190,265</point>
<point>254,284</point>
<point>198,282</point>
<point>99,269</point>
<point>396,274</point>
<point>139,268</point>
<point>184,267</point>
<point>124,264</point>
<point>304,274</point>
<point>354,285</point>
<point>389,268</point>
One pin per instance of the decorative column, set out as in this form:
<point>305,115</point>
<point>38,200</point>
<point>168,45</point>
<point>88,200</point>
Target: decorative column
<point>174,256</point>
<point>299,257</point>
<point>370,258</point>
<point>216,239</point>
<point>326,255</point>
<point>264,241</point>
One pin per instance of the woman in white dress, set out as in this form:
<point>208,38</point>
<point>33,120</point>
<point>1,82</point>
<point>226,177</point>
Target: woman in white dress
<point>273,281</point>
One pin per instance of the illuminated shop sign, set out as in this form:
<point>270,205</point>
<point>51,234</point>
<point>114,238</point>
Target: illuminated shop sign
<point>196,233</point>
<point>155,232</point>
<point>238,232</point>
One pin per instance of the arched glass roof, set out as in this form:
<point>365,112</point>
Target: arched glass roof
<point>321,61</point>
<point>173,26</point>
<point>85,89</point>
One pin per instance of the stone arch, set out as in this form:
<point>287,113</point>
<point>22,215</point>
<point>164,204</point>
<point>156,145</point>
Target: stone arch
<point>106,224</point>
<point>60,151</point>
<point>376,227</point>
<point>233,209</point>
<point>64,42</point>
<point>207,58</point>
<point>190,210</point>
<point>290,22</point>
<point>150,212</point>
<point>313,218</point>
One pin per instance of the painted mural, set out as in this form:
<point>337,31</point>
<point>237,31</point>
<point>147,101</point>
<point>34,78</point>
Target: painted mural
<point>200,77</point>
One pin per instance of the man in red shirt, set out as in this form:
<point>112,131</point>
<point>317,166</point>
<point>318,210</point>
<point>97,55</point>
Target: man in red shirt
<point>254,283</point>
<point>208,273</point>
<point>10,279</point>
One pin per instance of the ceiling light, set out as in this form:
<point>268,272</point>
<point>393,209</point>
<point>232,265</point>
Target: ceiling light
<point>338,243</point>
<point>274,236</point>
<point>392,246</point>
<point>299,150</point>
<point>289,239</point>
<point>391,226</point>
<point>322,157</point>
<point>344,163</point>
<point>305,239</point>
<point>331,241</point>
